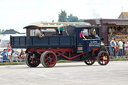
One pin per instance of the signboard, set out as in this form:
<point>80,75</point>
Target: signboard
<point>94,43</point>
<point>121,37</point>
<point>118,37</point>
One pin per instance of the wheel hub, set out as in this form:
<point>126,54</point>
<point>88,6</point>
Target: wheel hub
<point>105,58</point>
<point>49,59</point>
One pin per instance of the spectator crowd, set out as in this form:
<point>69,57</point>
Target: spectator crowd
<point>9,55</point>
<point>118,48</point>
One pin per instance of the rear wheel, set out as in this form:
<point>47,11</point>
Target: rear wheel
<point>48,59</point>
<point>103,58</point>
<point>32,60</point>
<point>89,60</point>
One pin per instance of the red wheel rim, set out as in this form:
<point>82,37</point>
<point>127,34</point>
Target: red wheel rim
<point>50,59</point>
<point>104,58</point>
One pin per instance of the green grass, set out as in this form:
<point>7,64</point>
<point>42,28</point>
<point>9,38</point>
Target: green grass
<point>12,63</point>
<point>119,59</point>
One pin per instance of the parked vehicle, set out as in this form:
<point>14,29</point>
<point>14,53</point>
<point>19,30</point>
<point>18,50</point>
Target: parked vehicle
<point>49,49</point>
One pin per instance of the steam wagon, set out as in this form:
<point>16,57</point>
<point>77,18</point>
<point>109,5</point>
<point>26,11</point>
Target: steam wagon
<point>51,48</point>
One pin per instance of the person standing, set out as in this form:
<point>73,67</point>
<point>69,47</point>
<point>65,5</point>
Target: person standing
<point>126,48</point>
<point>117,48</point>
<point>112,48</point>
<point>9,50</point>
<point>120,48</point>
<point>113,39</point>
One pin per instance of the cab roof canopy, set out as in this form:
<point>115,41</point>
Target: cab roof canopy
<point>37,25</point>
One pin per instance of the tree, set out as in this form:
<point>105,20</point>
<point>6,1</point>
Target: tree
<point>72,18</point>
<point>81,20</point>
<point>3,30</point>
<point>62,16</point>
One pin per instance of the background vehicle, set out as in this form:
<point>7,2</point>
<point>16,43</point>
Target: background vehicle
<point>49,49</point>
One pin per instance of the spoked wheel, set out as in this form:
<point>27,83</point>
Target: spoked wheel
<point>90,60</point>
<point>103,58</point>
<point>32,60</point>
<point>48,59</point>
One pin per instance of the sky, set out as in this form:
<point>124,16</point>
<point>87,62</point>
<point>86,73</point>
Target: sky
<point>16,14</point>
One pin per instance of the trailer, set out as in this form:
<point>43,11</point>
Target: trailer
<point>51,48</point>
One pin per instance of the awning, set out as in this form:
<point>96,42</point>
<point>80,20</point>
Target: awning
<point>116,23</point>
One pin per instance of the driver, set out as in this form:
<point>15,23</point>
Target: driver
<point>94,35</point>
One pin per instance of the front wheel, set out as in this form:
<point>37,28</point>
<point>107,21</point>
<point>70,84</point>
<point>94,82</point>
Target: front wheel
<point>103,58</point>
<point>90,60</point>
<point>48,59</point>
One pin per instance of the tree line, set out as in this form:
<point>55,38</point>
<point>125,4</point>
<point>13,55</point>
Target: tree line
<point>62,17</point>
<point>2,30</point>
